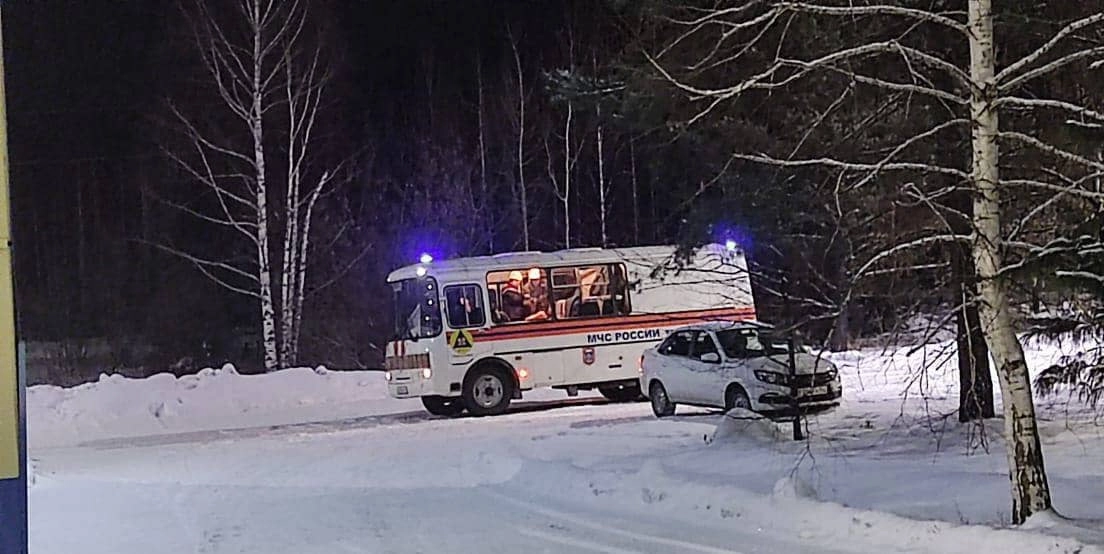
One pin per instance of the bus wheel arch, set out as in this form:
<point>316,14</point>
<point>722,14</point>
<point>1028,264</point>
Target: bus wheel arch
<point>489,386</point>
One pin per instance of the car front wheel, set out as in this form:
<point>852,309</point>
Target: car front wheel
<point>661,403</point>
<point>736,397</point>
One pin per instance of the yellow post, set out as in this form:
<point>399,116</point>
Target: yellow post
<point>9,379</point>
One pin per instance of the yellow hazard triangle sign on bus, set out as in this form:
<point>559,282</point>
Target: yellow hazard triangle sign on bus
<point>461,341</point>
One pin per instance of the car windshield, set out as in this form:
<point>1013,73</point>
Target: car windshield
<point>749,343</point>
<point>417,315</point>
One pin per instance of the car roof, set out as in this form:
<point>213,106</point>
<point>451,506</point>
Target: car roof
<point>723,325</point>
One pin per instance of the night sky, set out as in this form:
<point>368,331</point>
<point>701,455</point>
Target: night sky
<point>88,85</point>
<point>82,75</point>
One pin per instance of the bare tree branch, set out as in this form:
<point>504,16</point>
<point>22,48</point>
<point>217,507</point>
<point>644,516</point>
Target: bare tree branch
<point>876,9</point>
<point>1074,109</point>
<point>1051,149</point>
<point>1050,68</point>
<point>854,166</point>
<point>909,245</point>
<point>1048,46</point>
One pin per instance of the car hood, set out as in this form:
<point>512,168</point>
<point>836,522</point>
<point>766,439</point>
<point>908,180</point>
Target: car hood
<point>806,363</point>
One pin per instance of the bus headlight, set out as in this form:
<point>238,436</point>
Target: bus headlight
<point>387,375</point>
<point>427,373</point>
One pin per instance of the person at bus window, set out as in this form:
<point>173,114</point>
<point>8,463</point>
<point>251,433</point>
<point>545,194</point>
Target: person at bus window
<point>513,301</point>
<point>537,297</point>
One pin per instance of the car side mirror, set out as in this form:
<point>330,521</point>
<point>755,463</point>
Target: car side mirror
<point>711,358</point>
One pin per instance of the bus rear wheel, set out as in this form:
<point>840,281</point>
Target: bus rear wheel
<point>621,393</point>
<point>443,406</point>
<point>487,391</point>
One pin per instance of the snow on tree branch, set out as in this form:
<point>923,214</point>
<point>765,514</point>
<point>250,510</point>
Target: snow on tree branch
<point>1051,44</point>
<point>875,9</point>
<point>853,166</point>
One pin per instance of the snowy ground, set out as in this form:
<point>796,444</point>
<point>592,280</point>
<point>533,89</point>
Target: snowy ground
<point>304,461</point>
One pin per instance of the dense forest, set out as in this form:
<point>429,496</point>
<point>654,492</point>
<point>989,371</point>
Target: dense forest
<point>479,127</point>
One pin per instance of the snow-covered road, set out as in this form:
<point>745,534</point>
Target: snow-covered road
<point>396,483</point>
<point>310,461</point>
<point>578,476</point>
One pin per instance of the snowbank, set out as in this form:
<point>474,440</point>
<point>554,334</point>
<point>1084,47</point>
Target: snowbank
<point>792,510</point>
<point>117,407</point>
<point>929,373</point>
<point>740,425</point>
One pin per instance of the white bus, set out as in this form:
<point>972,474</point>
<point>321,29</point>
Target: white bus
<point>475,333</point>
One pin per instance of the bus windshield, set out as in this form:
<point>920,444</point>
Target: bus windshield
<point>417,315</point>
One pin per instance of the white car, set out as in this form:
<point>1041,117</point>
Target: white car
<point>734,365</point>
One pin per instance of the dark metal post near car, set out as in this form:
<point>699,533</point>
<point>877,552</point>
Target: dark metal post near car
<point>797,434</point>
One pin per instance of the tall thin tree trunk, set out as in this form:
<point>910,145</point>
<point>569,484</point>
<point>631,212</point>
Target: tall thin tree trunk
<point>635,194</point>
<point>521,147</point>
<point>1030,489</point>
<point>566,198</point>
<point>82,245</point>
<point>290,272</point>
<point>264,267</point>
<point>488,210</point>
<point>602,184</point>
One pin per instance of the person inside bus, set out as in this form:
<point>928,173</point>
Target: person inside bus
<point>537,296</point>
<point>513,305</point>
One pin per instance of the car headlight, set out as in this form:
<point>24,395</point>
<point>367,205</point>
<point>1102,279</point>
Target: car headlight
<point>427,373</point>
<point>387,375</point>
<point>771,377</point>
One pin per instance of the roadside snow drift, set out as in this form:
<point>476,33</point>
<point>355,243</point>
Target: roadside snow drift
<point>118,407</point>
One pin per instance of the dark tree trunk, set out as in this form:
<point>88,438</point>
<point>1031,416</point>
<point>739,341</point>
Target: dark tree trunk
<point>975,397</point>
<point>841,332</point>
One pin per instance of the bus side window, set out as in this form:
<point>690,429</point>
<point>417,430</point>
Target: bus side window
<point>619,285</point>
<point>464,304</point>
<point>590,291</point>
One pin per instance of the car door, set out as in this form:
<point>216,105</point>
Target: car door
<point>705,368</point>
<point>674,355</point>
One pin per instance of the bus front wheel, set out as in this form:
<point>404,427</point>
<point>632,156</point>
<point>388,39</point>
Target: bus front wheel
<point>487,391</point>
<point>443,406</point>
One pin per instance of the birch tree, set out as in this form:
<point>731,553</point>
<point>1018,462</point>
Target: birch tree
<point>520,187</point>
<point>942,73</point>
<point>255,157</point>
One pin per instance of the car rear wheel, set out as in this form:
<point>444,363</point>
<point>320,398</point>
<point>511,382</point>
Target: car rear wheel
<point>661,403</point>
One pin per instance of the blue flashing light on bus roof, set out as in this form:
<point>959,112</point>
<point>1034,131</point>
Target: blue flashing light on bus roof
<point>425,258</point>
<point>730,245</point>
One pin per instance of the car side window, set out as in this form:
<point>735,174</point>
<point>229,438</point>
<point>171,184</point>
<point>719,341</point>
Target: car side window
<point>678,344</point>
<point>703,344</point>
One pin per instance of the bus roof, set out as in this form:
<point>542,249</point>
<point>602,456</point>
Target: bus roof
<point>515,260</point>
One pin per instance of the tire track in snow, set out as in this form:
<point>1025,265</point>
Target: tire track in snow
<point>574,543</point>
<point>683,546</point>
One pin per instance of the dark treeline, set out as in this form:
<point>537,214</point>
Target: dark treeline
<point>482,127</point>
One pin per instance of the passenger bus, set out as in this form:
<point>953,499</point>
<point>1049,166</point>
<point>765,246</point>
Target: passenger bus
<point>476,333</point>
